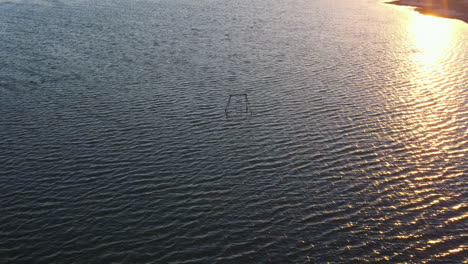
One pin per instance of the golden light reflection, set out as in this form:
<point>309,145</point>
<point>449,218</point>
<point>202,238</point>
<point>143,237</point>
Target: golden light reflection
<point>427,108</point>
<point>432,37</point>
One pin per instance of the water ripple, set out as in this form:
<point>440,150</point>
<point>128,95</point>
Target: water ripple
<point>115,146</point>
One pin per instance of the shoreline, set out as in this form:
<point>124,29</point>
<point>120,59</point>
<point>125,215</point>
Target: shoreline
<point>456,11</point>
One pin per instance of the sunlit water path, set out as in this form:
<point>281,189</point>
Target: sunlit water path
<point>115,146</point>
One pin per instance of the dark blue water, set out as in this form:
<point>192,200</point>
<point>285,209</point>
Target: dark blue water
<point>115,146</point>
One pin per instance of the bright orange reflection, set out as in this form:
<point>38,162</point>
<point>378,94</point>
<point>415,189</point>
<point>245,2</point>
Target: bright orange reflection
<point>432,37</point>
<point>430,112</point>
<point>433,42</point>
<point>431,100</point>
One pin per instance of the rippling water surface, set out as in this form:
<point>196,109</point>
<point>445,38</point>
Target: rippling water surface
<point>115,146</point>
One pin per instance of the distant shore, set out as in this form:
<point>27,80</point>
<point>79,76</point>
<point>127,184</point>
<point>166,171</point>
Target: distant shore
<point>452,9</point>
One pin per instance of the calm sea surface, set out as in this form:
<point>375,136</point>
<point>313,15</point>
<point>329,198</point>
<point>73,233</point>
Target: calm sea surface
<point>115,146</point>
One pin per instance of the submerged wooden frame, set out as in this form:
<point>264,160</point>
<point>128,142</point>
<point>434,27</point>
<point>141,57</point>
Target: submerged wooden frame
<point>246,101</point>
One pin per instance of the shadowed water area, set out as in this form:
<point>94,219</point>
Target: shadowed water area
<point>115,145</point>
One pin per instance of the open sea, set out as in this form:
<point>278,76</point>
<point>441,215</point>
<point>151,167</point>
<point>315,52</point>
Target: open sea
<point>231,131</point>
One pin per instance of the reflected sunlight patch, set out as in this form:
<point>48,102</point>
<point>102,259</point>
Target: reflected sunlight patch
<point>432,36</point>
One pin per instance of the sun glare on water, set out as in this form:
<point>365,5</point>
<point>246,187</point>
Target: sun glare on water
<point>428,124</point>
<point>432,37</point>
